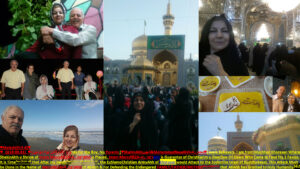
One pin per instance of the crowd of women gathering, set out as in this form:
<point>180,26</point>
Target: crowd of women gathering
<point>220,55</point>
<point>17,85</point>
<point>150,118</point>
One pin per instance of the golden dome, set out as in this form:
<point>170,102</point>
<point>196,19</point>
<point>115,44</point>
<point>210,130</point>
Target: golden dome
<point>217,140</point>
<point>139,45</point>
<point>141,61</point>
<point>217,143</point>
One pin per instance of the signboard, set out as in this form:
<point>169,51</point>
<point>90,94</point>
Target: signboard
<point>166,42</point>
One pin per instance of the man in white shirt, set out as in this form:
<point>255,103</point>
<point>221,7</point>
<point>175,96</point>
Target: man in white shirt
<point>13,82</point>
<point>277,99</point>
<point>87,36</point>
<point>65,78</point>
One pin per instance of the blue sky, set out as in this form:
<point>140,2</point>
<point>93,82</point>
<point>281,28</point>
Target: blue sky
<point>124,21</point>
<point>56,115</point>
<point>208,123</point>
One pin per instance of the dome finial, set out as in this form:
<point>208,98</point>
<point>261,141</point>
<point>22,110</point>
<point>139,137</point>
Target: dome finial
<point>145,27</point>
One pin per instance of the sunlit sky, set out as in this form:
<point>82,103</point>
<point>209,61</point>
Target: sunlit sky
<point>56,115</point>
<point>209,122</point>
<point>124,21</point>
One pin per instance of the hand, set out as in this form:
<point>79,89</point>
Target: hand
<point>214,65</point>
<point>136,118</point>
<point>3,94</point>
<point>60,88</point>
<point>47,39</point>
<point>22,93</point>
<point>173,99</point>
<point>45,30</point>
<point>72,87</point>
<point>45,98</point>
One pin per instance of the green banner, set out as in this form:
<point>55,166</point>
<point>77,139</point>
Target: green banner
<point>166,42</point>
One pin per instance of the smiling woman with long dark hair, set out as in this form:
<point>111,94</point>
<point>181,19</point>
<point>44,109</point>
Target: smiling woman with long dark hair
<point>218,52</point>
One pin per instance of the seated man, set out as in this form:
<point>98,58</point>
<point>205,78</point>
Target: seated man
<point>87,36</point>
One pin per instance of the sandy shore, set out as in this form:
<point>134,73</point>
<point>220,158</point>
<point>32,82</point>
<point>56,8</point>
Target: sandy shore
<point>46,144</point>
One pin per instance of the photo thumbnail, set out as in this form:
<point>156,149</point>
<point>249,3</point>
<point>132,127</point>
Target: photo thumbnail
<point>253,37</point>
<point>60,29</point>
<point>151,74</point>
<point>235,93</point>
<point>286,94</point>
<point>36,79</point>
<point>51,133</point>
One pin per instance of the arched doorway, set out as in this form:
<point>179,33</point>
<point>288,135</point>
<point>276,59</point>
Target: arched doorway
<point>257,27</point>
<point>243,147</point>
<point>166,64</point>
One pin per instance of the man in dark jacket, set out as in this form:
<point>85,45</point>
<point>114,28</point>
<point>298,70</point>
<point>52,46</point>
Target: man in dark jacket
<point>11,127</point>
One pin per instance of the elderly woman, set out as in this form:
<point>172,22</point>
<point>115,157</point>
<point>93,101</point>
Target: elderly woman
<point>44,91</point>
<point>140,129</point>
<point>89,88</point>
<point>47,47</point>
<point>69,153</point>
<point>218,52</point>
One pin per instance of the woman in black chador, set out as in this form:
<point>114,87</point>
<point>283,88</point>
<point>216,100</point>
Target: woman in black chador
<point>140,129</point>
<point>218,52</point>
<point>180,122</point>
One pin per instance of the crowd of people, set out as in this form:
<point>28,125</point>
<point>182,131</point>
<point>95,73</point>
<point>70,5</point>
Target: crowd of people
<point>220,55</point>
<point>280,105</point>
<point>150,118</point>
<point>277,61</point>
<point>17,86</point>
<point>63,40</point>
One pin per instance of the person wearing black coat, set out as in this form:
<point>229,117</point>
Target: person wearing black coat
<point>180,122</point>
<point>218,52</point>
<point>140,128</point>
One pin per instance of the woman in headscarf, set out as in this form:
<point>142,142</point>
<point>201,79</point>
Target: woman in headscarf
<point>57,49</point>
<point>140,128</point>
<point>180,122</point>
<point>44,91</point>
<point>68,153</point>
<point>218,52</point>
<point>292,104</point>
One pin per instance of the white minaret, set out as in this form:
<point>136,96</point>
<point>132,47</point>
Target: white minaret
<point>168,20</point>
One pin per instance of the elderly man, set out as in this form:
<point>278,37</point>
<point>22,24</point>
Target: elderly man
<point>10,130</point>
<point>13,82</point>
<point>87,36</point>
<point>65,78</point>
<point>277,99</point>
